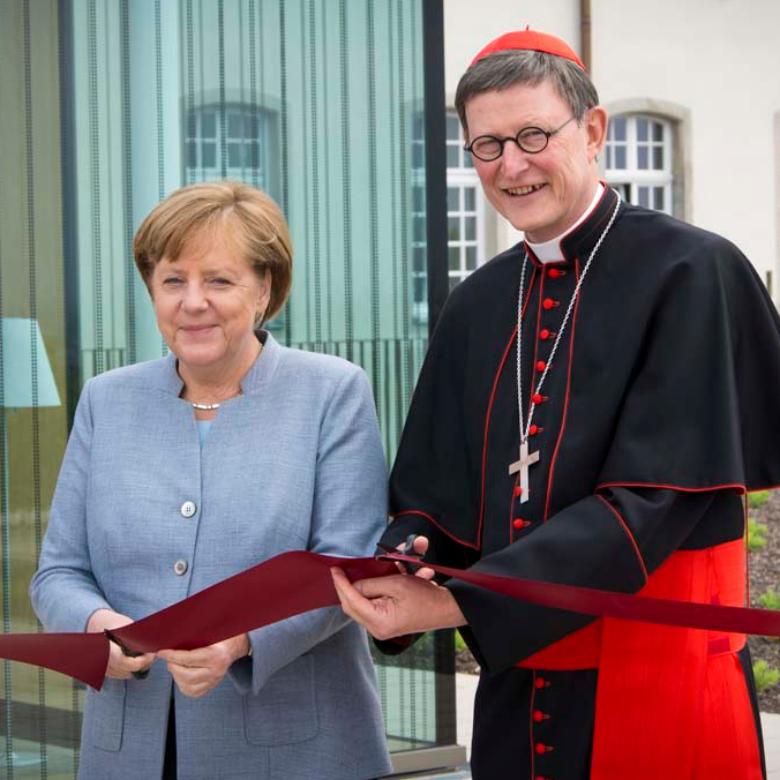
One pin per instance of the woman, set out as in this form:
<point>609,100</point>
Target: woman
<point>182,471</point>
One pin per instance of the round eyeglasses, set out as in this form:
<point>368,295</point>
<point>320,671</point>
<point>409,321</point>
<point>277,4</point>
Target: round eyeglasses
<point>531,140</point>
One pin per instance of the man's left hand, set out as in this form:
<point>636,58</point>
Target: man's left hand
<point>397,605</point>
<point>196,672</point>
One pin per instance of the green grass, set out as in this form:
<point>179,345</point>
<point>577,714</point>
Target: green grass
<point>770,599</point>
<point>755,500</point>
<point>766,676</point>
<point>756,535</point>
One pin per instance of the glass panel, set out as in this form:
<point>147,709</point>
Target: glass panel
<point>471,257</point>
<point>453,127</point>
<point>470,199</point>
<point>147,81</point>
<point>658,131</point>
<point>453,199</point>
<point>453,253</point>
<point>234,155</point>
<point>453,228</point>
<point>620,158</point>
<point>642,156</point>
<point>641,129</point>
<point>452,156</point>
<point>468,161</point>
<point>209,151</point>
<point>658,158</point>
<point>617,128</point>
<point>658,198</point>
<point>609,156</point>
<point>470,224</point>
<point>208,124</point>
<point>454,282</point>
<point>235,124</point>
<point>643,196</point>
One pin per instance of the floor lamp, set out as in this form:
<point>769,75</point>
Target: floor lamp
<point>26,381</point>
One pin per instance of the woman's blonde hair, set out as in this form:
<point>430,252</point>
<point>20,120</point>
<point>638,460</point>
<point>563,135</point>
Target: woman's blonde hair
<point>256,223</point>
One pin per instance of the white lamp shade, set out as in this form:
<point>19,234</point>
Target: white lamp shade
<point>20,339</point>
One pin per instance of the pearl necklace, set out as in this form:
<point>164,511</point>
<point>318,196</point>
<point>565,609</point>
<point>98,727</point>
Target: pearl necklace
<point>204,407</point>
<point>527,459</point>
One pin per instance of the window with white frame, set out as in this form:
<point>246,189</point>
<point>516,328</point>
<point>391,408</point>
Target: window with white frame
<point>465,207</point>
<point>232,142</point>
<point>639,160</point>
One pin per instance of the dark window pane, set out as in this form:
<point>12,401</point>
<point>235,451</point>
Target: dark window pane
<point>618,127</point>
<point>453,199</point>
<point>469,199</point>
<point>453,229</point>
<point>419,229</point>
<point>468,162</point>
<point>454,282</point>
<point>658,158</point>
<point>471,228</point>
<point>192,154</point>
<point>608,150</point>
<point>418,199</point>
<point>641,129</point>
<point>452,127</point>
<point>420,289</point>
<point>253,152</point>
<point>209,154</point>
<point>642,156</point>
<point>234,155</point>
<point>453,253</point>
<point>658,198</point>
<point>208,124</point>
<point>235,123</point>
<point>418,156</point>
<point>419,259</point>
<point>620,157</point>
<point>658,131</point>
<point>471,257</point>
<point>643,196</point>
<point>452,156</point>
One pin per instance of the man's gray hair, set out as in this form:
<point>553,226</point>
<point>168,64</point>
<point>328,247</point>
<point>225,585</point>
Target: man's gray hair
<point>507,68</point>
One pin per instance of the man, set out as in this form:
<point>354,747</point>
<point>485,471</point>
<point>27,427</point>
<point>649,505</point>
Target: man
<point>645,355</point>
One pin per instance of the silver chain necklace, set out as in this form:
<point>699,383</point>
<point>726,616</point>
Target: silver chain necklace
<point>528,459</point>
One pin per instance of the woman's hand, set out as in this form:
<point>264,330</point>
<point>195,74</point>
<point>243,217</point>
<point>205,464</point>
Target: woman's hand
<point>196,672</point>
<point>120,666</point>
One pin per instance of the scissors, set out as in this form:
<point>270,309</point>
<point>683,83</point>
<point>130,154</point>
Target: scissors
<point>407,549</point>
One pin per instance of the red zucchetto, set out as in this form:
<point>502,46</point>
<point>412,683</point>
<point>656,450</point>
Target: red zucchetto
<point>530,40</point>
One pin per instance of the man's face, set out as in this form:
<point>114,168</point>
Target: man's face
<point>541,194</point>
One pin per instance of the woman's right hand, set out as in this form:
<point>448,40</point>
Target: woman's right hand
<point>120,666</point>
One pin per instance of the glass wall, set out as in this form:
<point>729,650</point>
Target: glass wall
<point>108,106</point>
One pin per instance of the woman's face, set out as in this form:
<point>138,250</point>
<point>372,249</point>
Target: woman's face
<point>208,300</point>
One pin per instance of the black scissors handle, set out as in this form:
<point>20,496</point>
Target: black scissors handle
<point>406,549</point>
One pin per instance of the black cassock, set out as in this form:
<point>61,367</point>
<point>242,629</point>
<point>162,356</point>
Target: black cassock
<point>661,407</point>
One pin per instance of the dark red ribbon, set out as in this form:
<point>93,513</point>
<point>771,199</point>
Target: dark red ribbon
<point>296,582</point>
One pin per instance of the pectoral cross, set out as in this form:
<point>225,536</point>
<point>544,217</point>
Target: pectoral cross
<point>522,465</point>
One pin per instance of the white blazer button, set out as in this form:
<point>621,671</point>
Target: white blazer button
<point>180,567</point>
<point>188,509</point>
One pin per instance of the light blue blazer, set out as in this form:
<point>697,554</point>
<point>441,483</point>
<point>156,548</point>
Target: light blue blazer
<point>293,463</point>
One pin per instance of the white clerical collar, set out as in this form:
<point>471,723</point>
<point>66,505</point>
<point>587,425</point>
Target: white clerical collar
<point>550,251</point>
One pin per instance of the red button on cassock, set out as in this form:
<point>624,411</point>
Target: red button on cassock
<point>544,334</point>
<point>519,523</point>
<point>540,777</point>
<point>554,273</point>
<point>540,365</point>
<point>518,491</point>
<point>537,398</point>
<point>533,430</point>
<point>538,716</point>
<point>548,303</point>
<point>540,748</point>
<point>540,682</point>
